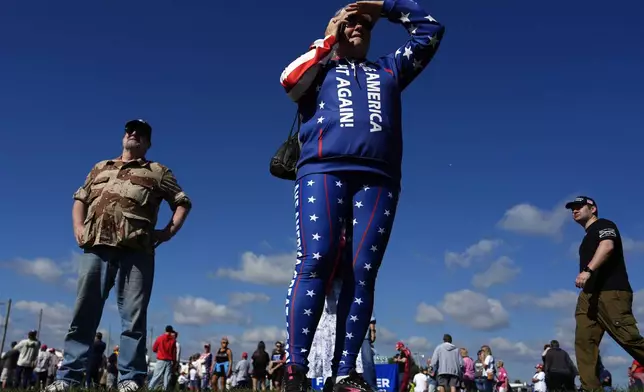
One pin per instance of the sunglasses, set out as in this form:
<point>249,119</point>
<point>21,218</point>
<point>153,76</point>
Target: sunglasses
<point>140,129</point>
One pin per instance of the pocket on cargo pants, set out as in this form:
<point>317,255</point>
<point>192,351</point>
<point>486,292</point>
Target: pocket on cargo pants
<point>616,309</point>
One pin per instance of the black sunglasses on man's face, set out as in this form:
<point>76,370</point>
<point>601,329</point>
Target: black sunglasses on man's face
<point>141,131</point>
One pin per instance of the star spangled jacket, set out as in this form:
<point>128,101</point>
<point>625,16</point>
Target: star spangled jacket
<point>351,110</point>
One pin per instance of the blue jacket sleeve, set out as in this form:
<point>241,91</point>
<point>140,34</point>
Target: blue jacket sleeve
<point>425,35</point>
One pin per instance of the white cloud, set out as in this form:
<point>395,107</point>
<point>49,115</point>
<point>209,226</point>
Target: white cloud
<point>269,334</point>
<point>508,350</point>
<point>237,299</point>
<point>501,271</point>
<point>190,310</point>
<point>638,302</point>
<point>631,245</point>
<point>613,360</point>
<point>478,250</point>
<point>261,269</point>
<point>42,268</point>
<point>475,310</point>
<point>565,333</point>
<point>55,319</point>
<point>48,270</point>
<point>385,336</point>
<point>418,343</point>
<point>428,314</point>
<point>528,219</point>
<point>556,299</point>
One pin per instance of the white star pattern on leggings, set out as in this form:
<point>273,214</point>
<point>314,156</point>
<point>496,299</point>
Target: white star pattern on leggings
<point>368,210</point>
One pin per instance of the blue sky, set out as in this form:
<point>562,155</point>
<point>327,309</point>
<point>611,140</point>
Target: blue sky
<point>525,105</point>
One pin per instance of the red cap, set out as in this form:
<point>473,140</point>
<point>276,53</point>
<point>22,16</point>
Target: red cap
<point>244,354</point>
<point>400,345</point>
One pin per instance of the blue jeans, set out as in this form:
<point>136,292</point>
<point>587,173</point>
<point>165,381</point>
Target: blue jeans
<point>205,381</point>
<point>368,367</point>
<point>162,372</point>
<point>100,269</point>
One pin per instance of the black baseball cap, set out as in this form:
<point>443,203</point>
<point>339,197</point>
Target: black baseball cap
<point>140,126</point>
<point>581,201</point>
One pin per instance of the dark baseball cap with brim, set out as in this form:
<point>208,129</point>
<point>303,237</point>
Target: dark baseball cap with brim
<point>581,201</point>
<point>140,126</point>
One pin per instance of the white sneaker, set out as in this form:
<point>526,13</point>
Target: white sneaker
<point>126,386</point>
<point>58,386</point>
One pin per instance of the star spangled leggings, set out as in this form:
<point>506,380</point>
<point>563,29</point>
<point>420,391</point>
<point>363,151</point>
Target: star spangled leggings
<point>363,206</point>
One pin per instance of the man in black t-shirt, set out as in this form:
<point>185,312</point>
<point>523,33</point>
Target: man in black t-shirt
<point>605,302</point>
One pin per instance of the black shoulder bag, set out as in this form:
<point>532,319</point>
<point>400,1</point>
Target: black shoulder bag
<point>284,162</point>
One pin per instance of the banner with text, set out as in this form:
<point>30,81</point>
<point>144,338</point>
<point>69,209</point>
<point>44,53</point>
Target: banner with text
<point>386,377</point>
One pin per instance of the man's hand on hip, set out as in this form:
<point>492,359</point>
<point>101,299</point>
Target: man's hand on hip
<point>161,236</point>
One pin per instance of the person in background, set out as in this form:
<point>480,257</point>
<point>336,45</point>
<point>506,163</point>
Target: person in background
<point>490,369</point>
<point>404,361</point>
<point>95,361</point>
<point>469,385</point>
<point>502,380</point>
<point>223,367</point>
<point>112,369</point>
<point>559,368</point>
<point>176,367</point>
<point>242,372</point>
<point>367,352</point>
<point>53,366</point>
<point>276,365</point>
<point>9,364</point>
<point>194,379</point>
<point>42,367</point>
<point>322,358</point>
<point>432,384</point>
<point>183,381</point>
<point>480,375</point>
<point>206,367</point>
<point>166,349</point>
<point>420,381</point>
<point>539,379</point>
<point>349,170</point>
<point>28,349</point>
<point>546,347</point>
<point>448,364</point>
<point>636,372</point>
<point>114,218</point>
<point>606,380</point>
<point>260,360</point>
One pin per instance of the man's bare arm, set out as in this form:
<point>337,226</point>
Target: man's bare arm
<point>601,254</point>
<point>177,220</point>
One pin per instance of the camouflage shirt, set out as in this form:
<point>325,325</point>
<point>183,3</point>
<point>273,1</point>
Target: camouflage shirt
<point>123,200</point>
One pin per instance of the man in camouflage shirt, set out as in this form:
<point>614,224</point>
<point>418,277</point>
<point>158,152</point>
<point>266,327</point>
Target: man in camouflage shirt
<point>114,217</point>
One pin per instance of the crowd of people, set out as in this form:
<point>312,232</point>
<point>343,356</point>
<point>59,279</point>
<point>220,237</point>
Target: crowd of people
<point>347,181</point>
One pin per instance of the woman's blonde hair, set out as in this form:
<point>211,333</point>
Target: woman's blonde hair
<point>499,363</point>
<point>463,352</point>
<point>486,349</point>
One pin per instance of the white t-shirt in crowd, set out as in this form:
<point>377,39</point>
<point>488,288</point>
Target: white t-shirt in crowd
<point>193,374</point>
<point>421,381</point>
<point>183,379</point>
<point>540,385</point>
<point>489,364</point>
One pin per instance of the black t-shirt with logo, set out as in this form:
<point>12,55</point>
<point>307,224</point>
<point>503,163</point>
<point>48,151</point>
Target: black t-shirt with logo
<point>611,275</point>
